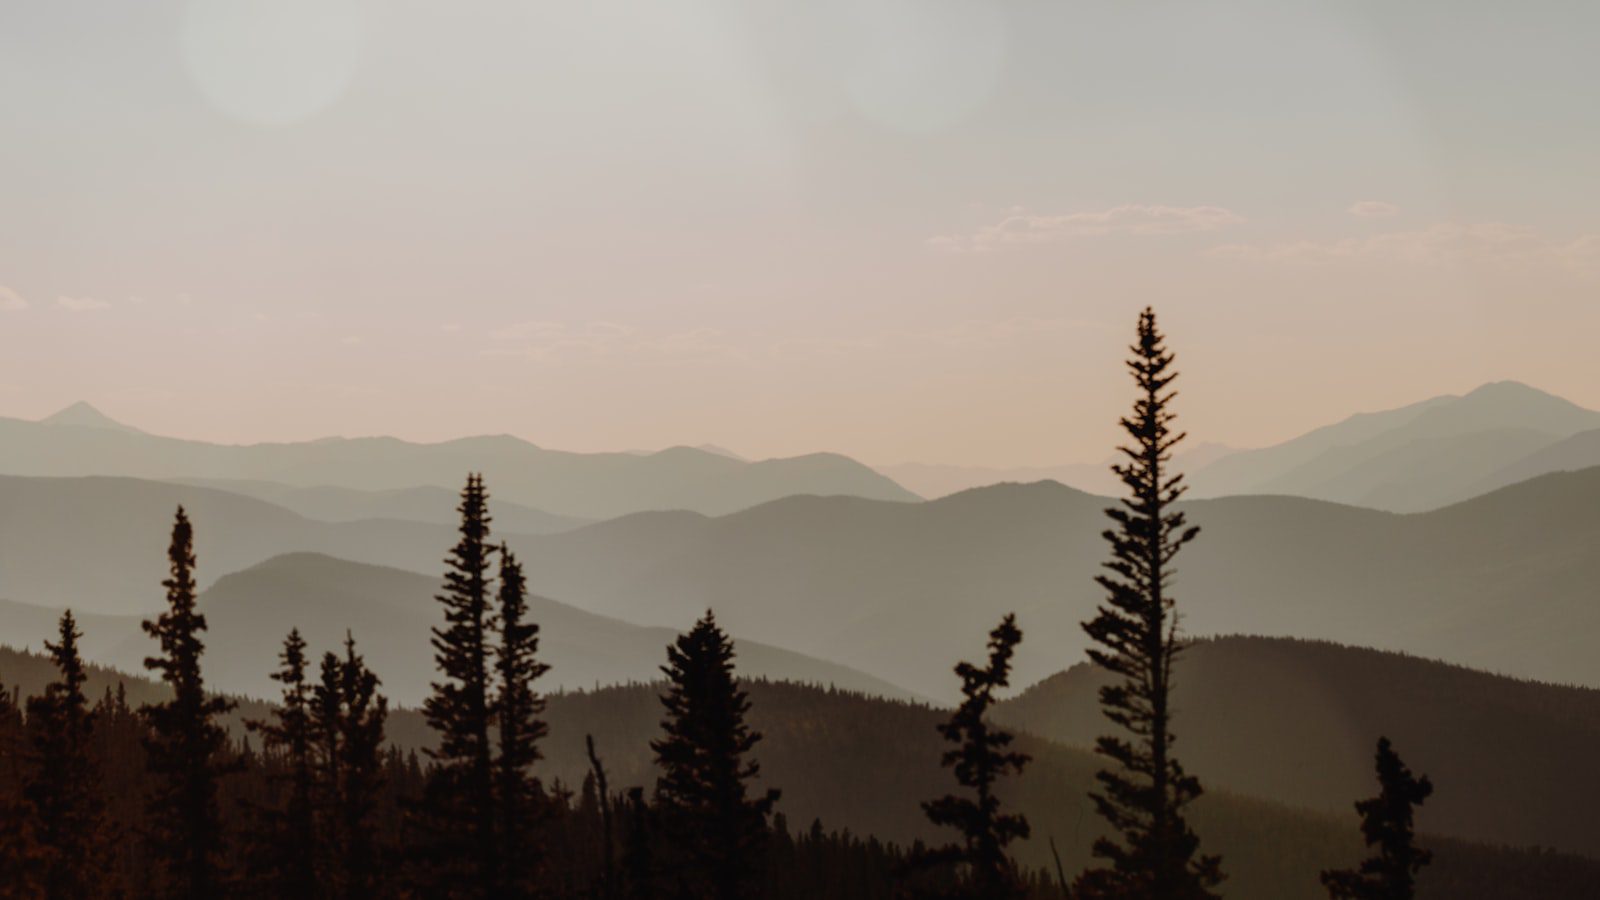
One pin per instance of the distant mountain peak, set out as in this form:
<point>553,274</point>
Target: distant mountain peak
<point>83,415</point>
<point>721,451</point>
<point>1509,390</point>
<point>1508,396</point>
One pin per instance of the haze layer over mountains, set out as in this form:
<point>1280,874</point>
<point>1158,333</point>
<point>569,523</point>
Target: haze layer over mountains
<point>81,441</point>
<point>1459,529</point>
<point>831,560</point>
<point>1415,458</point>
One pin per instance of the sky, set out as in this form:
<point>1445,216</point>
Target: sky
<point>905,230</point>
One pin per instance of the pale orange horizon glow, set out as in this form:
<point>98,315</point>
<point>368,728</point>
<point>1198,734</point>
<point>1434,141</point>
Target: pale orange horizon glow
<point>899,231</point>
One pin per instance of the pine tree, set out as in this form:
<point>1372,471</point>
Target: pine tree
<point>185,746</point>
<point>461,793</point>
<point>517,710</point>
<point>63,784</point>
<point>327,743</point>
<point>348,719</point>
<point>981,758</point>
<point>606,889</point>
<point>716,831</point>
<point>1153,856</point>
<point>638,868</point>
<point>1386,823</point>
<point>21,860</point>
<point>287,861</point>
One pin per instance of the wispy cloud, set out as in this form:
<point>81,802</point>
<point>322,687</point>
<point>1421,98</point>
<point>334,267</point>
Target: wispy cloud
<point>1581,255</point>
<point>1439,243</point>
<point>11,301</point>
<point>81,304</point>
<point>1021,227</point>
<point>1373,209</point>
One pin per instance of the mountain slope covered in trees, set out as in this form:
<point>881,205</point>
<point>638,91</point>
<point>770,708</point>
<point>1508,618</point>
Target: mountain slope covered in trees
<point>864,764</point>
<point>1294,720</point>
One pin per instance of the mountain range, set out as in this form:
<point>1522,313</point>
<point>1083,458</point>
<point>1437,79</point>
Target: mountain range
<point>81,441</point>
<point>1504,582</point>
<point>935,480</point>
<point>428,504</point>
<point>391,613</point>
<point>1418,457</point>
<point>1415,458</point>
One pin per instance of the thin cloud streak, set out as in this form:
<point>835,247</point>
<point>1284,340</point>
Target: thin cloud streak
<point>81,304</point>
<point>11,301</point>
<point>1444,242</point>
<point>1373,209</point>
<point>1023,228</point>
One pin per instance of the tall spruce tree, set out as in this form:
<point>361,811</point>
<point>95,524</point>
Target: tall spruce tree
<point>1154,853</point>
<point>63,786</point>
<point>185,747</point>
<point>714,830</point>
<point>517,712</point>
<point>981,758</point>
<point>348,717</point>
<point>461,793</point>
<point>1386,823</point>
<point>285,862</point>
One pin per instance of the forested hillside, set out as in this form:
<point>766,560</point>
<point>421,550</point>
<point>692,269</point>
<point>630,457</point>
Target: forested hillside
<point>862,764</point>
<point>1292,720</point>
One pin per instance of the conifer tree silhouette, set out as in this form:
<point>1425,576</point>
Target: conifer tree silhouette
<point>185,747</point>
<point>63,785</point>
<point>461,793</point>
<point>1386,823</point>
<point>715,832</point>
<point>1153,855</point>
<point>517,709</point>
<point>981,758</point>
<point>287,860</point>
<point>20,862</point>
<point>348,719</point>
<point>607,886</point>
<point>639,849</point>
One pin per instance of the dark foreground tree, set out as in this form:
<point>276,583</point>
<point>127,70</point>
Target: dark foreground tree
<point>464,860</point>
<point>981,758</point>
<point>517,711</point>
<point>63,785</point>
<point>20,861</point>
<point>284,862</point>
<point>348,717</point>
<point>1154,853</point>
<point>186,750</point>
<point>1386,824</point>
<point>713,830</point>
<point>606,883</point>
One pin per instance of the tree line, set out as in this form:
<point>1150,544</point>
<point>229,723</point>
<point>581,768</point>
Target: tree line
<point>98,800</point>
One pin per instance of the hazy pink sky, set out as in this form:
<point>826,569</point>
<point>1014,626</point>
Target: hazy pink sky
<point>899,229</point>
